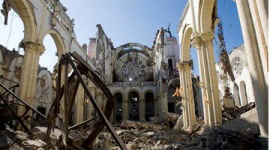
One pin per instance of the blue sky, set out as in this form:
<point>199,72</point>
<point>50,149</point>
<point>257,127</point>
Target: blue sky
<point>123,21</point>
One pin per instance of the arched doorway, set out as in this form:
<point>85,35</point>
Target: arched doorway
<point>243,92</point>
<point>133,106</point>
<point>49,58</point>
<point>149,106</point>
<point>170,62</point>
<point>118,107</point>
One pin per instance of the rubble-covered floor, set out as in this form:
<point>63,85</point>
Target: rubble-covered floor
<point>136,136</point>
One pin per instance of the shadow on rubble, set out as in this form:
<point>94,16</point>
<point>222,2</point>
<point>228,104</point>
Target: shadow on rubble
<point>237,134</point>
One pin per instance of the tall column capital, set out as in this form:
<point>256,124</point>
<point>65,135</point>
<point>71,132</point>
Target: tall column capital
<point>206,37</point>
<point>197,41</point>
<point>33,47</point>
<point>184,64</point>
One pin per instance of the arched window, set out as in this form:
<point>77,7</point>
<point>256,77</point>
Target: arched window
<point>149,106</point>
<point>133,106</point>
<point>236,95</point>
<point>243,92</point>
<point>118,107</point>
<point>170,66</point>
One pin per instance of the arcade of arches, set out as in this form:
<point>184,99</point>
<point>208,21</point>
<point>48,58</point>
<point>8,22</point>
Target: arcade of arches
<point>143,79</point>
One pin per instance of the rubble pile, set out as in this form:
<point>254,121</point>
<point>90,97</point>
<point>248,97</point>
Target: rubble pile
<point>18,140</point>
<point>221,138</point>
<point>136,136</point>
<point>145,136</point>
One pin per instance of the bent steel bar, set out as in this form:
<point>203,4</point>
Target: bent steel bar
<point>83,68</point>
<point>67,93</point>
<point>19,119</point>
<point>24,103</point>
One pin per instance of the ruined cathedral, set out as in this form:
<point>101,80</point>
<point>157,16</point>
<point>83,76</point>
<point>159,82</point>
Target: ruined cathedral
<point>142,79</point>
<point>134,96</point>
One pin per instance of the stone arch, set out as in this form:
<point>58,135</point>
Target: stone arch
<point>149,105</point>
<point>243,92</point>
<point>143,48</point>
<point>173,102</point>
<point>149,90</point>
<point>58,40</point>
<point>118,91</point>
<point>44,92</point>
<point>170,63</point>
<point>133,105</point>
<point>185,47</point>
<point>24,9</point>
<point>118,97</point>
<point>133,90</point>
<point>206,16</point>
<point>133,45</point>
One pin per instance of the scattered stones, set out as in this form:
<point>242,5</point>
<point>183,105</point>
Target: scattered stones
<point>137,136</point>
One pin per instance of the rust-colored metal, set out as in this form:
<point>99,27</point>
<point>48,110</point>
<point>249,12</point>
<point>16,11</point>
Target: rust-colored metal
<point>65,98</point>
<point>24,118</point>
<point>68,90</point>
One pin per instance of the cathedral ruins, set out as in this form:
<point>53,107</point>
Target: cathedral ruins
<point>135,96</point>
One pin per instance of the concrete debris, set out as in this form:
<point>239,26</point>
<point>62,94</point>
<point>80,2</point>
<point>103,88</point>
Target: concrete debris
<point>33,144</point>
<point>221,138</point>
<point>179,123</point>
<point>18,140</point>
<point>139,136</point>
<point>145,136</point>
<point>142,136</point>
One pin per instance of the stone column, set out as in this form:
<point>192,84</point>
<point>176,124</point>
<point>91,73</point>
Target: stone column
<point>184,99</point>
<point>79,103</point>
<point>261,36</point>
<point>208,41</point>
<point>206,84</point>
<point>92,90</point>
<point>197,42</point>
<point>263,13</point>
<point>255,66</point>
<point>142,109</point>
<point>125,113</point>
<point>185,90</point>
<point>104,101</point>
<point>99,98</point>
<point>192,117</point>
<point>29,73</point>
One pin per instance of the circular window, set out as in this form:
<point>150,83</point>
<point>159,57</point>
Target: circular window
<point>237,66</point>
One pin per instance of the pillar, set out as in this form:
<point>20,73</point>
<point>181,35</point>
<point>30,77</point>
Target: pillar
<point>99,98</point>
<point>125,112</point>
<point>79,103</point>
<point>207,94</point>
<point>104,101</point>
<point>29,72</point>
<point>255,66</point>
<point>197,42</point>
<point>92,90</point>
<point>261,35</point>
<point>190,96</point>
<point>208,43</point>
<point>184,99</point>
<point>263,13</point>
<point>188,107</point>
<point>142,109</point>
